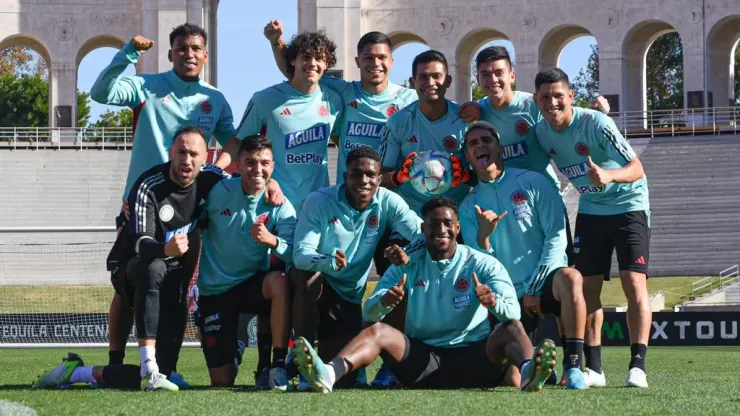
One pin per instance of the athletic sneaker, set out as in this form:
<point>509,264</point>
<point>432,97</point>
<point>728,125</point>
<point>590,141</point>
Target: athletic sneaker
<point>303,384</point>
<point>290,364</point>
<point>58,377</point>
<point>636,378</point>
<point>576,380</point>
<point>537,370</point>
<point>594,379</point>
<point>179,380</point>
<point>553,379</point>
<point>155,381</point>
<point>278,379</point>
<point>361,381</point>
<point>262,379</point>
<point>385,378</point>
<point>240,347</point>
<point>311,366</point>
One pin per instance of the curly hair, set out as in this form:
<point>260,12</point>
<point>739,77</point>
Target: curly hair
<point>362,152</point>
<point>312,43</point>
<point>437,202</point>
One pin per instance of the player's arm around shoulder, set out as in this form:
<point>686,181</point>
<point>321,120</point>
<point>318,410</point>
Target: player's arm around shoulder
<point>400,216</point>
<point>380,303</point>
<point>492,273</point>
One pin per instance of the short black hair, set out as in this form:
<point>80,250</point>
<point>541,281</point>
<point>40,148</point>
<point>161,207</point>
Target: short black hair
<point>373,38</point>
<point>551,76</point>
<point>482,125</point>
<point>361,152</point>
<point>191,129</point>
<point>313,43</point>
<point>426,57</point>
<point>440,201</point>
<point>188,29</point>
<point>255,142</point>
<point>492,54</point>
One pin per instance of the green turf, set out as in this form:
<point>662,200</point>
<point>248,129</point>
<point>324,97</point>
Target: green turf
<point>682,381</point>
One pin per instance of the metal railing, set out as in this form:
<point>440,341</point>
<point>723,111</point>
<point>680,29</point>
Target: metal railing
<point>59,137</point>
<point>727,277</point>
<point>656,123</point>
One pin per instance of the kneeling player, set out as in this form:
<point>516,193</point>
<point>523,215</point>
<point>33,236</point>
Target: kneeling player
<point>72,370</point>
<point>235,271</point>
<point>448,342</point>
<point>517,216</point>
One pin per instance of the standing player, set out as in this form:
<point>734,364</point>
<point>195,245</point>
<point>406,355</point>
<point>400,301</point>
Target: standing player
<point>448,342</point>
<point>235,272</point>
<point>335,239</point>
<point>613,212</point>
<point>298,117</point>
<point>530,242</point>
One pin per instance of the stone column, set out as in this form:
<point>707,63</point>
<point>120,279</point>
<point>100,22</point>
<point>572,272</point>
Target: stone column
<point>695,77</point>
<point>63,94</point>
<point>342,21</point>
<point>612,65</point>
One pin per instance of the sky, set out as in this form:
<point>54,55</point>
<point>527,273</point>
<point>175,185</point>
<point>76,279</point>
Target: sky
<point>246,65</point>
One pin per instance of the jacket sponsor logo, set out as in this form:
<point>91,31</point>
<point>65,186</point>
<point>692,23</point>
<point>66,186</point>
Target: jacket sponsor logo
<point>211,318</point>
<point>302,137</point>
<point>515,150</point>
<point>205,120</point>
<point>575,171</point>
<point>364,130</point>
<point>461,299</point>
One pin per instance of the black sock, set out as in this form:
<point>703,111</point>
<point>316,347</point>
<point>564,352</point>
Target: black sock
<point>593,357</point>
<point>116,357</point>
<point>278,357</point>
<point>638,356</point>
<point>574,351</point>
<point>339,367</point>
<point>264,349</point>
<point>564,344</point>
<point>124,376</point>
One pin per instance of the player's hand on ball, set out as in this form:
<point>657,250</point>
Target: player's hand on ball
<point>274,31</point>
<point>484,293</point>
<point>597,175</point>
<point>459,173</point>
<point>177,246</point>
<point>340,259</point>
<point>141,43</point>
<point>395,294</point>
<point>532,305</point>
<point>274,194</point>
<point>396,255</point>
<point>402,175</point>
<point>601,104</point>
<point>261,235</point>
<point>487,221</point>
<point>469,112</point>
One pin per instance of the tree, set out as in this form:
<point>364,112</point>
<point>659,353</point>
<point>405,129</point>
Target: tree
<point>123,118</point>
<point>20,60</point>
<point>477,92</point>
<point>586,83</point>
<point>737,73</point>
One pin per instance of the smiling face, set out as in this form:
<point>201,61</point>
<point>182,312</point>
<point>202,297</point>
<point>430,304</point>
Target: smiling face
<point>255,168</point>
<point>431,81</point>
<point>362,179</point>
<point>441,227</point>
<point>188,154</point>
<point>555,103</point>
<point>496,80</point>
<point>375,62</point>
<point>308,69</point>
<point>188,55</point>
<point>482,150</point>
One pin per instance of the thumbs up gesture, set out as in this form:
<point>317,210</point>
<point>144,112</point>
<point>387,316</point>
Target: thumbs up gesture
<point>597,175</point>
<point>395,294</point>
<point>484,293</point>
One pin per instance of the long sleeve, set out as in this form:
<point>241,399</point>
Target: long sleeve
<point>390,147</point>
<point>285,228</point>
<point>307,237</point>
<point>225,125</point>
<point>374,310</point>
<point>402,218</point>
<point>112,89</point>
<point>142,223</point>
<point>469,224</point>
<point>495,276</point>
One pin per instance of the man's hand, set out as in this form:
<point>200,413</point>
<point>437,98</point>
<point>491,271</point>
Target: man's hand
<point>141,43</point>
<point>340,259</point>
<point>274,194</point>
<point>125,209</point>
<point>261,235</point>
<point>469,112</point>
<point>597,175</point>
<point>395,294</point>
<point>487,221</point>
<point>532,305</point>
<point>396,255</point>
<point>601,104</point>
<point>274,31</point>
<point>459,173</point>
<point>400,177</point>
<point>177,246</point>
<point>484,293</point>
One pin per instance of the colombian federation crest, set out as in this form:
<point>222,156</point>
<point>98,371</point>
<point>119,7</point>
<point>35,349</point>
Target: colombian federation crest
<point>522,128</point>
<point>518,198</point>
<point>391,110</point>
<point>372,221</point>
<point>263,218</point>
<point>462,284</point>
<point>206,107</point>
<point>582,149</point>
<point>323,111</point>
<point>450,143</point>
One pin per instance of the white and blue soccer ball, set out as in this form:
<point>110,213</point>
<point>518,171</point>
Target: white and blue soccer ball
<point>431,173</point>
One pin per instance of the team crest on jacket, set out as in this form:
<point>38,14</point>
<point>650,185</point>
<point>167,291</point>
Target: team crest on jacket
<point>582,149</point>
<point>166,213</point>
<point>263,218</point>
<point>450,143</point>
<point>391,110</point>
<point>372,221</point>
<point>518,198</point>
<point>206,107</point>
<point>522,128</point>
<point>462,284</point>
<point>323,111</point>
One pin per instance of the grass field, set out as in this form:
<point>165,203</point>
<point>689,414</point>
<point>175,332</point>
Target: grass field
<point>682,381</point>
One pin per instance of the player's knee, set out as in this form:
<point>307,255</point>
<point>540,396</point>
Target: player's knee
<point>149,273</point>
<point>510,330</point>
<point>377,330</point>
<point>571,280</point>
<point>277,284</point>
<point>306,283</point>
<point>222,377</point>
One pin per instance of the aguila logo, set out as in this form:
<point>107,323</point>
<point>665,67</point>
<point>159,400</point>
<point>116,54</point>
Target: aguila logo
<point>372,221</point>
<point>323,111</point>
<point>522,128</point>
<point>582,149</point>
<point>462,284</point>
<point>391,110</point>
<point>206,107</point>
<point>518,198</point>
<point>450,143</point>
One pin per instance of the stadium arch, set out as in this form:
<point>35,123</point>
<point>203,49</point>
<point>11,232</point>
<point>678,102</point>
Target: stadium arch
<point>465,52</point>
<point>722,41</point>
<point>37,45</point>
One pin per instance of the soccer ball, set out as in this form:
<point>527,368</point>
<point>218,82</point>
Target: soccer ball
<point>431,173</point>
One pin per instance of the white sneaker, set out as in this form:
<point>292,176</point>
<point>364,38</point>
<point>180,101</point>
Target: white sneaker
<point>636,378</point>
<point>278,379</point>
<point>156,381</point>
<point>594,379</point>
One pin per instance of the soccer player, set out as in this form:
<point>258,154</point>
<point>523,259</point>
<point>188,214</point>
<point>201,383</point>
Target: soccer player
<point>73,370</point>
<point>516,216</point>
<point>235,272</point>
<point>298,116</point>
<point>166,202</point>
<point>335,239</point>
<point>613,212</point>
<point>448,342</point>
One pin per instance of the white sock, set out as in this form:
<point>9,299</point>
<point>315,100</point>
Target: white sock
<point>148,358</point>
<point>83,375</point>
<point>332,375</point>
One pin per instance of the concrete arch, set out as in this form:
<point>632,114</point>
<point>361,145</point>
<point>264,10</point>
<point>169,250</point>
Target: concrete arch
<point>555,40</point>
<point>464,55</point>
<point>635,45</point>
<point>96,42</point>
<point>721,43</point>
<point>28,41</point>
<point>402,37</point>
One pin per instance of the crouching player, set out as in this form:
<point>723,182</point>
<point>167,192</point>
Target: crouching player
<point>517,216</point>
<point>448,342</point>
<point>236,275</point>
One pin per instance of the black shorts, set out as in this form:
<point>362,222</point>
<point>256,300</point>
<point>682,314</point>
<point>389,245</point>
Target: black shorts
<point>598,235</point>
<point>218,318</point>
<point>338,318</point>
<point>425,366</point>
<point>548,304</point>
<point>569,238</point>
